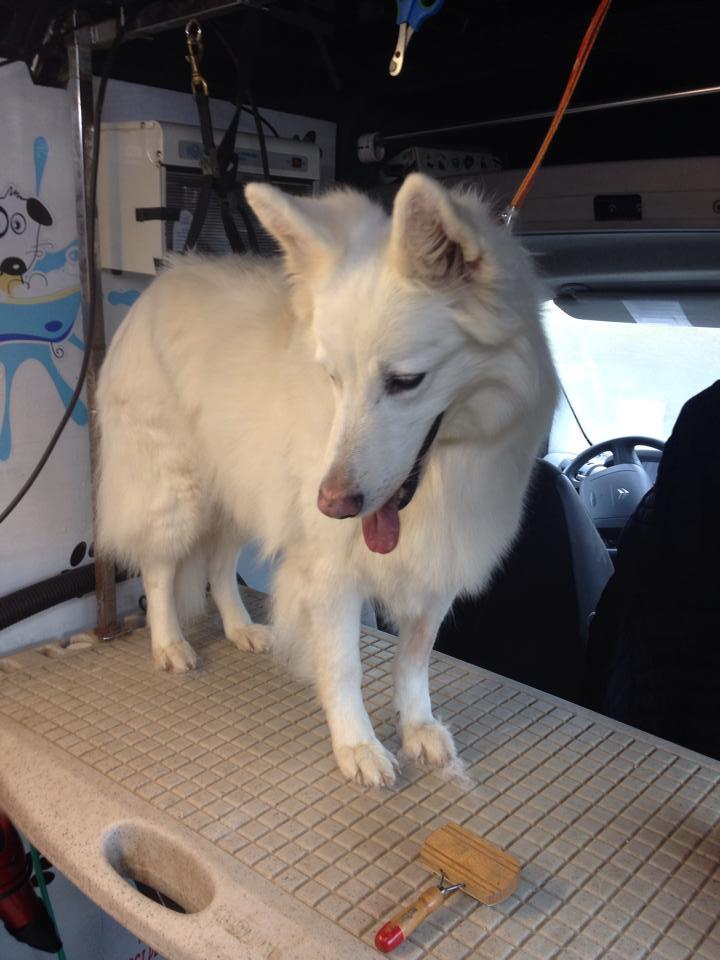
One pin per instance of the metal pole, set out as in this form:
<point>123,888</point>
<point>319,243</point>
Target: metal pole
<point>81,90</point>
<point>545,115</point>
<point>171,14</point>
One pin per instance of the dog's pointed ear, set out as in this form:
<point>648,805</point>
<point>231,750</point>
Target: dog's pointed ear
<point>432,238</point>
<point>303,239</point>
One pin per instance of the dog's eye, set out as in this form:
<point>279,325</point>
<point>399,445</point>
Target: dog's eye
<point>397,383</point>
<point>17,223</point>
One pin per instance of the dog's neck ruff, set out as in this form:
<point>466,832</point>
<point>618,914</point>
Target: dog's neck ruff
<point>381,529</point>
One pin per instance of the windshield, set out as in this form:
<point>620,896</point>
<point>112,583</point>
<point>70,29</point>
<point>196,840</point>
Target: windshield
<point>625,378</point>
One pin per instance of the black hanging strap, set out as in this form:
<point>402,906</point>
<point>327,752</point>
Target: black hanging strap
<point>199,213</point>
<point>219,164</point>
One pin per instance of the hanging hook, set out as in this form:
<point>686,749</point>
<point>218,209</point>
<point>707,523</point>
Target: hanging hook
<point>193,40</point>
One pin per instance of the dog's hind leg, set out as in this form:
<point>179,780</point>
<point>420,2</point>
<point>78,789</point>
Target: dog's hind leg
<point>237,623</point>
<point>424,739</point>
<point>170,649</point>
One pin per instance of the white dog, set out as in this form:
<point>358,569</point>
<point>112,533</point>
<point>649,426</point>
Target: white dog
<point>369,409</point>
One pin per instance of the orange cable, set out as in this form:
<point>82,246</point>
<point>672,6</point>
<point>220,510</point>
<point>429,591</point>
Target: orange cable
<point>580,60</point>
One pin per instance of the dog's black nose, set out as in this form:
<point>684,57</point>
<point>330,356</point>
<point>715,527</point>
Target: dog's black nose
<point>338,504</point>
<point>13,266</point>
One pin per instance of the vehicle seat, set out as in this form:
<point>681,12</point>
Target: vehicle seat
<point>654,655</point>
<point>531,623</point>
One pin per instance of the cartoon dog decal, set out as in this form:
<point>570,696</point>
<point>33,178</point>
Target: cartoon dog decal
<point>21,219</point>
<point>39,297</point>
<point>34,327</point>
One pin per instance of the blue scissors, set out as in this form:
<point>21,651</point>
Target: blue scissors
<point>411,15</point>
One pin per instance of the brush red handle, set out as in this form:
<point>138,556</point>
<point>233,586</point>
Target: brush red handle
<point>395,931</point>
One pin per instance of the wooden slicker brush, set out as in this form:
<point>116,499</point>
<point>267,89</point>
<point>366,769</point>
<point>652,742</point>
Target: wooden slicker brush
<point>465,862</point>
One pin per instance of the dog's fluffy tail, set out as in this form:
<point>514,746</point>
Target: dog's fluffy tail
<point>191,580</point>
<point>290,625</point>
<point>290,648</point>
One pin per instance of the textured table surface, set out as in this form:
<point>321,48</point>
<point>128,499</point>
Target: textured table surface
<point>618,834</point>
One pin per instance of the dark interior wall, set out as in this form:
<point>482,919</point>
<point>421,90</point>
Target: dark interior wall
<point>476,59</point>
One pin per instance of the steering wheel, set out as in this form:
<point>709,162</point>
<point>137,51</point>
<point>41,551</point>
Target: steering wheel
<point>622,449</point>
<point>612,495</point>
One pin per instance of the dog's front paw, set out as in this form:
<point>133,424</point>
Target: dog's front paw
<point>251,637</point>
<point>368,764</point>
<point>178,657</point>
<point>429,744</point>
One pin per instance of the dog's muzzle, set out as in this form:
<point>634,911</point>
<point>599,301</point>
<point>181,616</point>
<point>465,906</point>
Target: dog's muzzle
<point>381,529</point>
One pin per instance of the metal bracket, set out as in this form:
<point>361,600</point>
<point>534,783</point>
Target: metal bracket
<point>446,888</point>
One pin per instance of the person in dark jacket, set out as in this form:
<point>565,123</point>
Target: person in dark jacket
<point>654,648</point>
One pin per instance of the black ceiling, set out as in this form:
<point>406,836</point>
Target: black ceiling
<point>476,59</point>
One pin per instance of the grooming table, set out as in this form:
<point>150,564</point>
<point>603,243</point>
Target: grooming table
<point>219,788</point>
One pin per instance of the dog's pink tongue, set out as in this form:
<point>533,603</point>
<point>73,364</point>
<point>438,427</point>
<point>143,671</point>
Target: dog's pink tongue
<point>382,528</point>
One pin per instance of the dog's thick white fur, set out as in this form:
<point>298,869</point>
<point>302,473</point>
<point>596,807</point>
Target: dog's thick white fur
<point>236,389</point>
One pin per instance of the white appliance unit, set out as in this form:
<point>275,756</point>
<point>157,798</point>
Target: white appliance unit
<point>148,183</point>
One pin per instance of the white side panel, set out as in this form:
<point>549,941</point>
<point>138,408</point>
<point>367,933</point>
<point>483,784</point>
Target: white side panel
<point>37,375</point>
<point>41,343</point>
